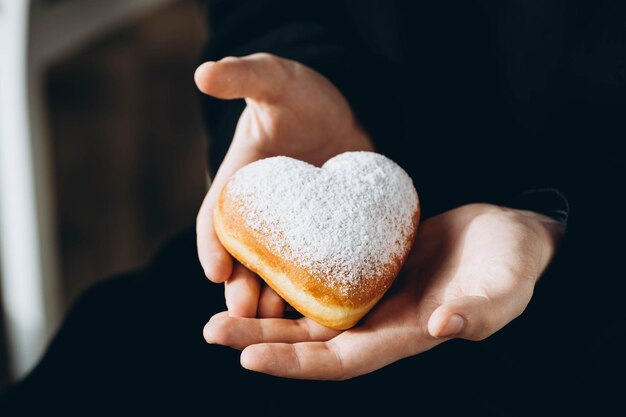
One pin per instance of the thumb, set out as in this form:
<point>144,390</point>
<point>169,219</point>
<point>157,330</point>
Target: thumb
<point>470,317</point>
<point>257,76</point>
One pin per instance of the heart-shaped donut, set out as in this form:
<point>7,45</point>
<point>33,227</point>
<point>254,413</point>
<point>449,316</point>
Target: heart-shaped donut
<point>329,240</point>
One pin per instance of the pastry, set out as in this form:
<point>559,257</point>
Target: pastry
<point>329,240</point>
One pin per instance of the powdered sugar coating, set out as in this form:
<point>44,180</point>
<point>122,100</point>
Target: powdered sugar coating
<point>344,222</point>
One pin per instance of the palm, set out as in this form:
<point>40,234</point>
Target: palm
<point>479,262</point>
<point>459,256</point>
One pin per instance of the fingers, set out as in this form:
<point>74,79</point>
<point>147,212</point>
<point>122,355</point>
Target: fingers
<point>239,332</point>
<point>242,292</point>
<point>271,305</point>
<point>472,317</point>
<point>446,322</point>
<point>313,360</point>
<point>259,76</point>
<point>215,260</point>
<point>352,353</point>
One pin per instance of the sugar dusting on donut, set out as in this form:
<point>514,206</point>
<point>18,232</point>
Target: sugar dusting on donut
<point>344,223</point>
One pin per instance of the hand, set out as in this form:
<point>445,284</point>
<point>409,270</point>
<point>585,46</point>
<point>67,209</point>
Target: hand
<point>290,110</point>
<point>471,271</point>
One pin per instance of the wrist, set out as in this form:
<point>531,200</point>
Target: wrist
<point>537,235</point>
<point>546,232</point>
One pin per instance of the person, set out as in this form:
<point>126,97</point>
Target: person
<point>508,119</point>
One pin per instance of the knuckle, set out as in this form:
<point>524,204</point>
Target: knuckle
<point>286,67</point>
<point>229,59</point>
<point>485,330</point>
<point>341,371</point>
<point>478,337</point>
<point>269,58</point>
<point>263,55</point>
<point>343,375</point>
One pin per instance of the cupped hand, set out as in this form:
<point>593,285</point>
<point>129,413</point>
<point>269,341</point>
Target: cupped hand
<point>291,110</point>
<point>471,271</point>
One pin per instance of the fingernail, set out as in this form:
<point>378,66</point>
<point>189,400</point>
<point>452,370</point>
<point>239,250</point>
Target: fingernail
<point>453,326</point>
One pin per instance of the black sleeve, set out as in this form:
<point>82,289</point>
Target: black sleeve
<point>547,201</point>
<point>329,37</point>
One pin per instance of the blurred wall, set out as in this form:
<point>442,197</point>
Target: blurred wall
<point>128,146</point>
<point>4,366</point>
